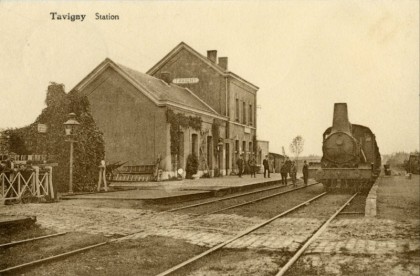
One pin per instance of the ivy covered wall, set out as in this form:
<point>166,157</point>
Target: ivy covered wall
<point>88,151</point>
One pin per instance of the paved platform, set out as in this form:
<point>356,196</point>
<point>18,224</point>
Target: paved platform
<point>185,189</point>
<point>8,221</point>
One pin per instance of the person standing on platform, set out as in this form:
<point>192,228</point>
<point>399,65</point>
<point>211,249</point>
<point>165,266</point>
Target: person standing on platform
<point>305,172</point>
<point>252,163</point>
<point>102,176</point>
<point>283,172</point>
<point>293,173</point>
<point>240,163</point>
<point>266,166</point>
<point>288,165</point>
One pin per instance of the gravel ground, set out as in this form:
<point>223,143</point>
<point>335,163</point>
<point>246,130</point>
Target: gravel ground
<point>395,229</point>
<point>228,262</point>
<point>165,239</point>
<point>134,257</point>
<point>398,198</point>
<point>45,248</point>
<point>326,264</point>
<point>274,206</point>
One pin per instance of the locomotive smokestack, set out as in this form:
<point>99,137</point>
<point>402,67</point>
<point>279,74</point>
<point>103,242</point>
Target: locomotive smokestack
<point>341,118</point>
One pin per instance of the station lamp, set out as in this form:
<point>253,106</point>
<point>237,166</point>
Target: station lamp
<point>70,127</point>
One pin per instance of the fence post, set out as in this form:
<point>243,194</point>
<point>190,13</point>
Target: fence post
<point>3,195</point>
<point>50,183</point>
<point>33,186</point>
<point>47,183</point>
<point>19,192</point>
<point>38,192</point>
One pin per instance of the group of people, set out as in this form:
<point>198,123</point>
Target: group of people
<point>252,163</point>
<point>289,167</point>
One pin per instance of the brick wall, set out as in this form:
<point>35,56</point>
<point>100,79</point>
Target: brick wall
<point>211,86</point>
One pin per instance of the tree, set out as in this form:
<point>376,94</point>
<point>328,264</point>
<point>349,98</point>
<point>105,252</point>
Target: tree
<point>88,151</point>
<point>296,147</point>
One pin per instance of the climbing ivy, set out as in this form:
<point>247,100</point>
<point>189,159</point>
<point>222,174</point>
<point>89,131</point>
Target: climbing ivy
<point>178,120</point>
<point>215,132</point>
<point>88,151</point>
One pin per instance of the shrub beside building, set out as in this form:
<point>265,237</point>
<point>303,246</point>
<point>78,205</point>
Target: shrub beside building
<point>88,150</point>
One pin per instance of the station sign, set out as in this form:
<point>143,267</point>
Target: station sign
<point>247,130</point>
<point>185,80</point>
<point>42,128</point>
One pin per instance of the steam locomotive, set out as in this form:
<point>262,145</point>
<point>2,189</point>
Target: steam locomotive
<point>351,161</point>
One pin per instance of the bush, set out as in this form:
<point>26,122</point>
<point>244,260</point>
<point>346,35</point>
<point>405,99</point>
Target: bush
<point>192,166</point>
<point>216,172</point>
<point>88,151</point>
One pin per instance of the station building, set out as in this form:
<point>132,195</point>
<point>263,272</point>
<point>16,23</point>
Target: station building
<point>227,93</point>
<point>133,110</point>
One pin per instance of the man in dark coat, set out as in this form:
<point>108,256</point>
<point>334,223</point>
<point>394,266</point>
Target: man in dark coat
<point>305,172</point>
<point>252,165</point>
<point>266,166</point>
<point>288,165</point>
<point>240,163</point>
<point>283,171</point>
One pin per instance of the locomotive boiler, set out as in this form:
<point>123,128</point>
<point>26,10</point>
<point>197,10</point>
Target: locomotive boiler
<point>351,160</point>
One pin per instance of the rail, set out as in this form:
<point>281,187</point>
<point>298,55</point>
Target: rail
<point>258,199</point>
<point>236,196</point>
<point>247,231</point>
<point>83,249</point>
<point>30,240</point>
<point>324,226</point>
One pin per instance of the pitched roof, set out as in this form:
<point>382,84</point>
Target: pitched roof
<point>155,89</point>
<point>185,46</point>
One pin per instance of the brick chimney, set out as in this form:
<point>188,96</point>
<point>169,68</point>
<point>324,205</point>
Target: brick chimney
<point>166,77</point>
<point>223,62</point>
<point>212,55</point>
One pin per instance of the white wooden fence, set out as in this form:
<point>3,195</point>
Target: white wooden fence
<point>35,183</point>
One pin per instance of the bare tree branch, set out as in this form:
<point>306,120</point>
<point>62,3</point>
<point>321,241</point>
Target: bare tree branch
<point>296,147</point>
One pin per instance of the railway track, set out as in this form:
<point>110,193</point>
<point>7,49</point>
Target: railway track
<point>15,269</point>
<point>253,193</point>
<point>291,261</point>
<point>324,226</point>
<point>83,249</point>
<point>10,244</point>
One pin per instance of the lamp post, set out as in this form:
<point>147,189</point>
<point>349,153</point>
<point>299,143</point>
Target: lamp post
<point>70,126</point>
<point>219,150</point>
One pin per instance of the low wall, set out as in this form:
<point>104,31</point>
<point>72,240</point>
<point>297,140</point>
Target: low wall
<point>370,207</point>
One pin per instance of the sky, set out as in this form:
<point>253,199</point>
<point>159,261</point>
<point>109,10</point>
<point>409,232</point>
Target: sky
<point>304,55</point>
